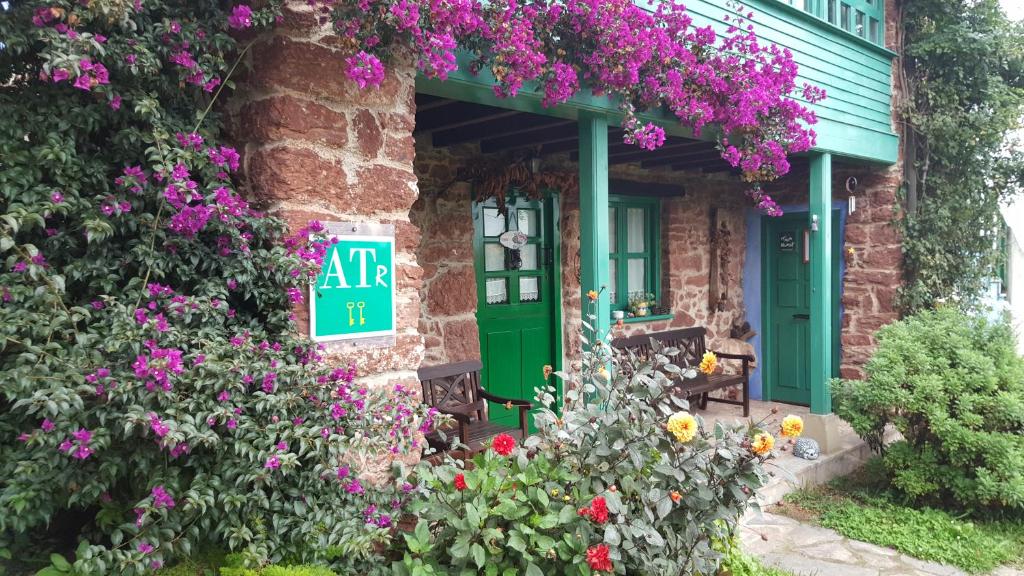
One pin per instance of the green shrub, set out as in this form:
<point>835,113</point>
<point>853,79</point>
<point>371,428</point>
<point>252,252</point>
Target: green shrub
<point>953,386</point>
<point>154,392</point>
<point>612,482</point>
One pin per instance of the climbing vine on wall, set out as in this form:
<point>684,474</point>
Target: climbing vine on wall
<point>963,78</point>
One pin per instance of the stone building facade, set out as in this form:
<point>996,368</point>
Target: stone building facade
<point>317,147</point>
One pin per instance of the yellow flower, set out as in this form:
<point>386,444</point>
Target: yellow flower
<point>762,444</point>
<point>683,426</point>
<point>792,426</point>
<point>548,370</point>
<point>592,294</point>
<point>603,372</point>
<point>708,363</point>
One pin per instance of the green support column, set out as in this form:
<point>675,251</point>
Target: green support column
<point>594,215</point>
<point>821,283</point>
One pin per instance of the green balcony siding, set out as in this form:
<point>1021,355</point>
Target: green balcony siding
<point>854,121</point>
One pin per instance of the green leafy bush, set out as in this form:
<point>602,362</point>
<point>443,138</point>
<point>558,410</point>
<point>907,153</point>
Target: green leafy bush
<point>621,480</point>
<point>953,386</point>
<point>154,394</point>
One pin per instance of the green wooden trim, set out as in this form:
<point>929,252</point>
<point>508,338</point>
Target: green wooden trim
<point>556,249</point>
<point>652,243</point>
<point>821,283</point>
<point>640,319</point>
<point>593,166</point>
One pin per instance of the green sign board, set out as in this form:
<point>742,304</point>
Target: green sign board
<point>354,295</point>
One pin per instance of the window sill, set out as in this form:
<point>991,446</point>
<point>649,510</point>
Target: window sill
<point>640,319</point>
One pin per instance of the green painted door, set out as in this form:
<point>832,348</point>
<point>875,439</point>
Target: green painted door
<point>516,298</point>
<point>787,349</point>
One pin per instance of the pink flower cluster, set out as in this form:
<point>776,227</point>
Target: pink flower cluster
<point>78,445</point>
<point>157,367</point>
<point>648,59</point>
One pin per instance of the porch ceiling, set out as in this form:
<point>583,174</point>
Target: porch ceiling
<point>450,122</point>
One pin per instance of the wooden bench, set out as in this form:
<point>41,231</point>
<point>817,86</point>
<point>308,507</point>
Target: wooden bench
<point>692,345</point>
<point>454,389</point>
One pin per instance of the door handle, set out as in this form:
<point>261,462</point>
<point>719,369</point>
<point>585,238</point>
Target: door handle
<point>801,316</point>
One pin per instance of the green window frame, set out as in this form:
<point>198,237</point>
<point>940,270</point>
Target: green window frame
<point>622,212</point>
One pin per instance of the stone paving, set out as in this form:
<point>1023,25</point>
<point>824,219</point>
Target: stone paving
<point>806,550</point>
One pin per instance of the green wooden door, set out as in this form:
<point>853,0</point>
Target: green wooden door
<point>516,299</point>
<point>787,365</point>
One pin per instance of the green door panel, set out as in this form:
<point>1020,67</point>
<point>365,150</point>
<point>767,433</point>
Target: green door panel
<point>517,300</point>
<point>787,346</point>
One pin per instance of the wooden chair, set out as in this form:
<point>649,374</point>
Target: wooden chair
<point>692,345</point>
<point>454,389</point>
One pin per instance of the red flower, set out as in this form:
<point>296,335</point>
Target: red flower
<point>503,444</point>
<point>597,558</point>
<point>597,511</point>
<point>460,482</point>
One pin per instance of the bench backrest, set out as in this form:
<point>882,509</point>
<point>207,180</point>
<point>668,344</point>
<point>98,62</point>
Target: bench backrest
<point>691,343</point>
<point>454,387</point>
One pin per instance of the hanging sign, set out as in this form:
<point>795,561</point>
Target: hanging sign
<point>787,242</point>
<point>353,298</point>
<point>513,239</point>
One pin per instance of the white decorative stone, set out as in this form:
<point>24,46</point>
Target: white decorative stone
<point>806,448</point>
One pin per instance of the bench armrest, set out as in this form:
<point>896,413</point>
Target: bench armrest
<point>728,356</point>
<point>500,400</point>
<point>523,405</point>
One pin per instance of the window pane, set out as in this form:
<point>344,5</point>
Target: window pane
<point>613,275</point>
<point>529,255</point>
<point>844,16</point>
<point>497,291</point>
<point>494,257</point>
<point>613,245</point>
<point>635,281</point>
<point>527,220</point>
<point>873,30</point>
<point>635,230</point>
<point>494,223</point>
<point>859,28</point>
<point>831,11</point>
<point>529,289</point>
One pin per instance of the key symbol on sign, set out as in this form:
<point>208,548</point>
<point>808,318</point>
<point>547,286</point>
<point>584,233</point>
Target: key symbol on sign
<point>362,321</point>
<point>351,320</point>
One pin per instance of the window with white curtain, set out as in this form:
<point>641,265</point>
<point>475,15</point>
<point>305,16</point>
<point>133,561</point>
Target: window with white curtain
<point>634,244</point>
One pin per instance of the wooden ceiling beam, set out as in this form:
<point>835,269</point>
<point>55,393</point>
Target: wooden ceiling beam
<point>530,139</point>
<point>508,126</point>
<point>426,102</point>
<point>462,114</point>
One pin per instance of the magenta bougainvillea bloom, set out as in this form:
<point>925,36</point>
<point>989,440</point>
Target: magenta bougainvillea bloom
<point>241,17</point>
<point>161,499</point>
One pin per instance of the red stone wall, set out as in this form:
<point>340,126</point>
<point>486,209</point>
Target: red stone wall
<point>448,296</point>
<point>316,147</point>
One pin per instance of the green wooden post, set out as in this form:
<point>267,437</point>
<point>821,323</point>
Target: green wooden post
<point>594,215</point>
<point>821,283</point>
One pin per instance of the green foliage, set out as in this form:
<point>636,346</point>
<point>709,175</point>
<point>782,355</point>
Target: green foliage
<point>963,71</point>
<point>603,471</point>
<point>154,394</point>
<point>953,386</point>
<point>736,563</point>
<point>872,514</point>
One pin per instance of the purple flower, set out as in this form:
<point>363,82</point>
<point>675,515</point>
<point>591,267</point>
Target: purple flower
<point>365,69</point>
<point>115,102</point>
<point>157,425</point>
<point>241,17</point>
<point>161,499</point>
<point>97,305</point>
<point>273,463</point>
<point>131,58</point>
<point>232,424</point>
<point>57,197</point>
<point>60,75</point>
<point>47,425</point>
<point>145,547</point>
<point>224,396</point>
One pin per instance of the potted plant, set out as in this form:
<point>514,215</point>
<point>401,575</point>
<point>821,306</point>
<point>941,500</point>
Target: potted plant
<point>640,302</point>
